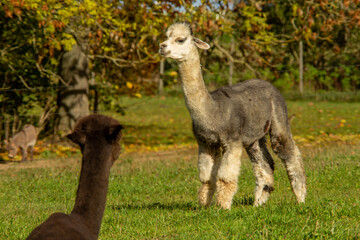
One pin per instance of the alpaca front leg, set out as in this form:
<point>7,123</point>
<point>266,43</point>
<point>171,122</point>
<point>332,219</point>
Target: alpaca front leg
<point>227,177</point>
<point>206,166</point>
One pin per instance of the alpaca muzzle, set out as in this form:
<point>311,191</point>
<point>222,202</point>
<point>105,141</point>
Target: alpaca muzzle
<point>162,49</point>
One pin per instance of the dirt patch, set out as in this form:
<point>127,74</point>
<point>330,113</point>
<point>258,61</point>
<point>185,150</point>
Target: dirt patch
<point>38,163</point>
<point>185,153</point>
<point>168,155</point>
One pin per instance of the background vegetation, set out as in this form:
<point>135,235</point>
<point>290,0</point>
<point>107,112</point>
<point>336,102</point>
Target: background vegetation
<point>152,193</point>
<point>247,38</point>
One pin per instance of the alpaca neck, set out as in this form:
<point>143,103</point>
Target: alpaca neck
<point>197,98</point>
<point>93,185</point>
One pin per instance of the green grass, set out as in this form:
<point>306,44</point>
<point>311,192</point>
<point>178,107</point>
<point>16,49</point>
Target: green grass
<point>153,195</point>
<point>157,122</point>
<point>332,96</point>
<point>312,118</point>
<point>156,198</point>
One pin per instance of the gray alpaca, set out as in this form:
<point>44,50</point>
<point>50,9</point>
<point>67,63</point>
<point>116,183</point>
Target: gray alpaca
<point>230,118</point>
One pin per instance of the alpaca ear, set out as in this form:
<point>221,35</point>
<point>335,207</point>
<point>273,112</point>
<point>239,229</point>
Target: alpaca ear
<point>201,44</point>
<point>115,132</point>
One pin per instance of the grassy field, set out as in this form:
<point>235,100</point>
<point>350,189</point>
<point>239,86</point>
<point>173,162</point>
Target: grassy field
<point>153,185</point>
<point>156,123</point>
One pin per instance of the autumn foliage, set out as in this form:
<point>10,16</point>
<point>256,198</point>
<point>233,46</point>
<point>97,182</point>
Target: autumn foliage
<point>121,38</point>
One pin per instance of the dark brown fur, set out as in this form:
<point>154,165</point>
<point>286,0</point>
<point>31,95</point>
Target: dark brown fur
<point>98,137</point>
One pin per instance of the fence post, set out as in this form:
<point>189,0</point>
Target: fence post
<point>161,74</point>
<point>231,63</point>
<point>301,66</point>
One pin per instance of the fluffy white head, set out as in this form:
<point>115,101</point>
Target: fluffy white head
<point>180,43</point>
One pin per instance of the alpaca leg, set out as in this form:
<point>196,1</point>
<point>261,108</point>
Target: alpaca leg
<point>24,154</point>
<point>227,176</point>
<point>263,166</point>
<point>31,152</point>
<point>207,170</point>
<point>290,155</point>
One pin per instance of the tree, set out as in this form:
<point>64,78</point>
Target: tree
<point>329,30</point>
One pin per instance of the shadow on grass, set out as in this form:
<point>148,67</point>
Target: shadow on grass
<point>157,205</point>
<point>244,201</point>
<point>2,161</point>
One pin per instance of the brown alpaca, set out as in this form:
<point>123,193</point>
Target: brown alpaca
<point>98,137</point>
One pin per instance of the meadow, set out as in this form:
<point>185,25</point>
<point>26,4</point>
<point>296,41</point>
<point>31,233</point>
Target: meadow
<point>153,185</point>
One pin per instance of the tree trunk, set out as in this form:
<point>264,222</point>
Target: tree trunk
<point>73,101</point>
<point>7,127</point>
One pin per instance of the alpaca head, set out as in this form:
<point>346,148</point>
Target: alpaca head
<point>11,148</point>
<point>97,134</point>
<point>181,44</point>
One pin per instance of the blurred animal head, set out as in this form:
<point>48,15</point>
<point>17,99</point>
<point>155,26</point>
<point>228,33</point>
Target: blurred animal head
<point>11,147</point>
<point>98,133</point>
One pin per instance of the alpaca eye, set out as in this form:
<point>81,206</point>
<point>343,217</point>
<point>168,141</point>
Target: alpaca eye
<point>181,40</point>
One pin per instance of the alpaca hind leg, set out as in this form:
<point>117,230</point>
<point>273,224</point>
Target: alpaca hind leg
<point>263,167</point>
<point>290,155</point>
<point>207,166</point>
<point>24,154</point>
<point>227,177</point>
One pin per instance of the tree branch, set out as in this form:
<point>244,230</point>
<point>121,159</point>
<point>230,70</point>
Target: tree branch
<point>20,77</point>
<point>230,58</point>
<point>117,61</point>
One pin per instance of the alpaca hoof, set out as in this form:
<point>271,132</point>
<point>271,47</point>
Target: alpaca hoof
<point>224,205</point>
<point>205,194</point>
<point>225,193</point>
<point>300,193</point>
<point>300,197</point>
<point>261,200</point>
<point>262,195</point>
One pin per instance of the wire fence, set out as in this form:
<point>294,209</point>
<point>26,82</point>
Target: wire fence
<point>124,107</point>
<point>32,89</point>
<point>35,88</point>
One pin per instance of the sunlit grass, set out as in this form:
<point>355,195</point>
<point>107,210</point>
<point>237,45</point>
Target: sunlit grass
<point>162,122</point>
<point>154,196</point>
<point>153,185</point>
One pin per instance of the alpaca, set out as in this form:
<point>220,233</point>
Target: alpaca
<point>98,137</point>
<point>24,139</point>
<point>230,118</point>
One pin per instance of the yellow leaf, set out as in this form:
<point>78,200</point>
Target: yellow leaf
<point>173,74</point>
<point>129,85</point>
